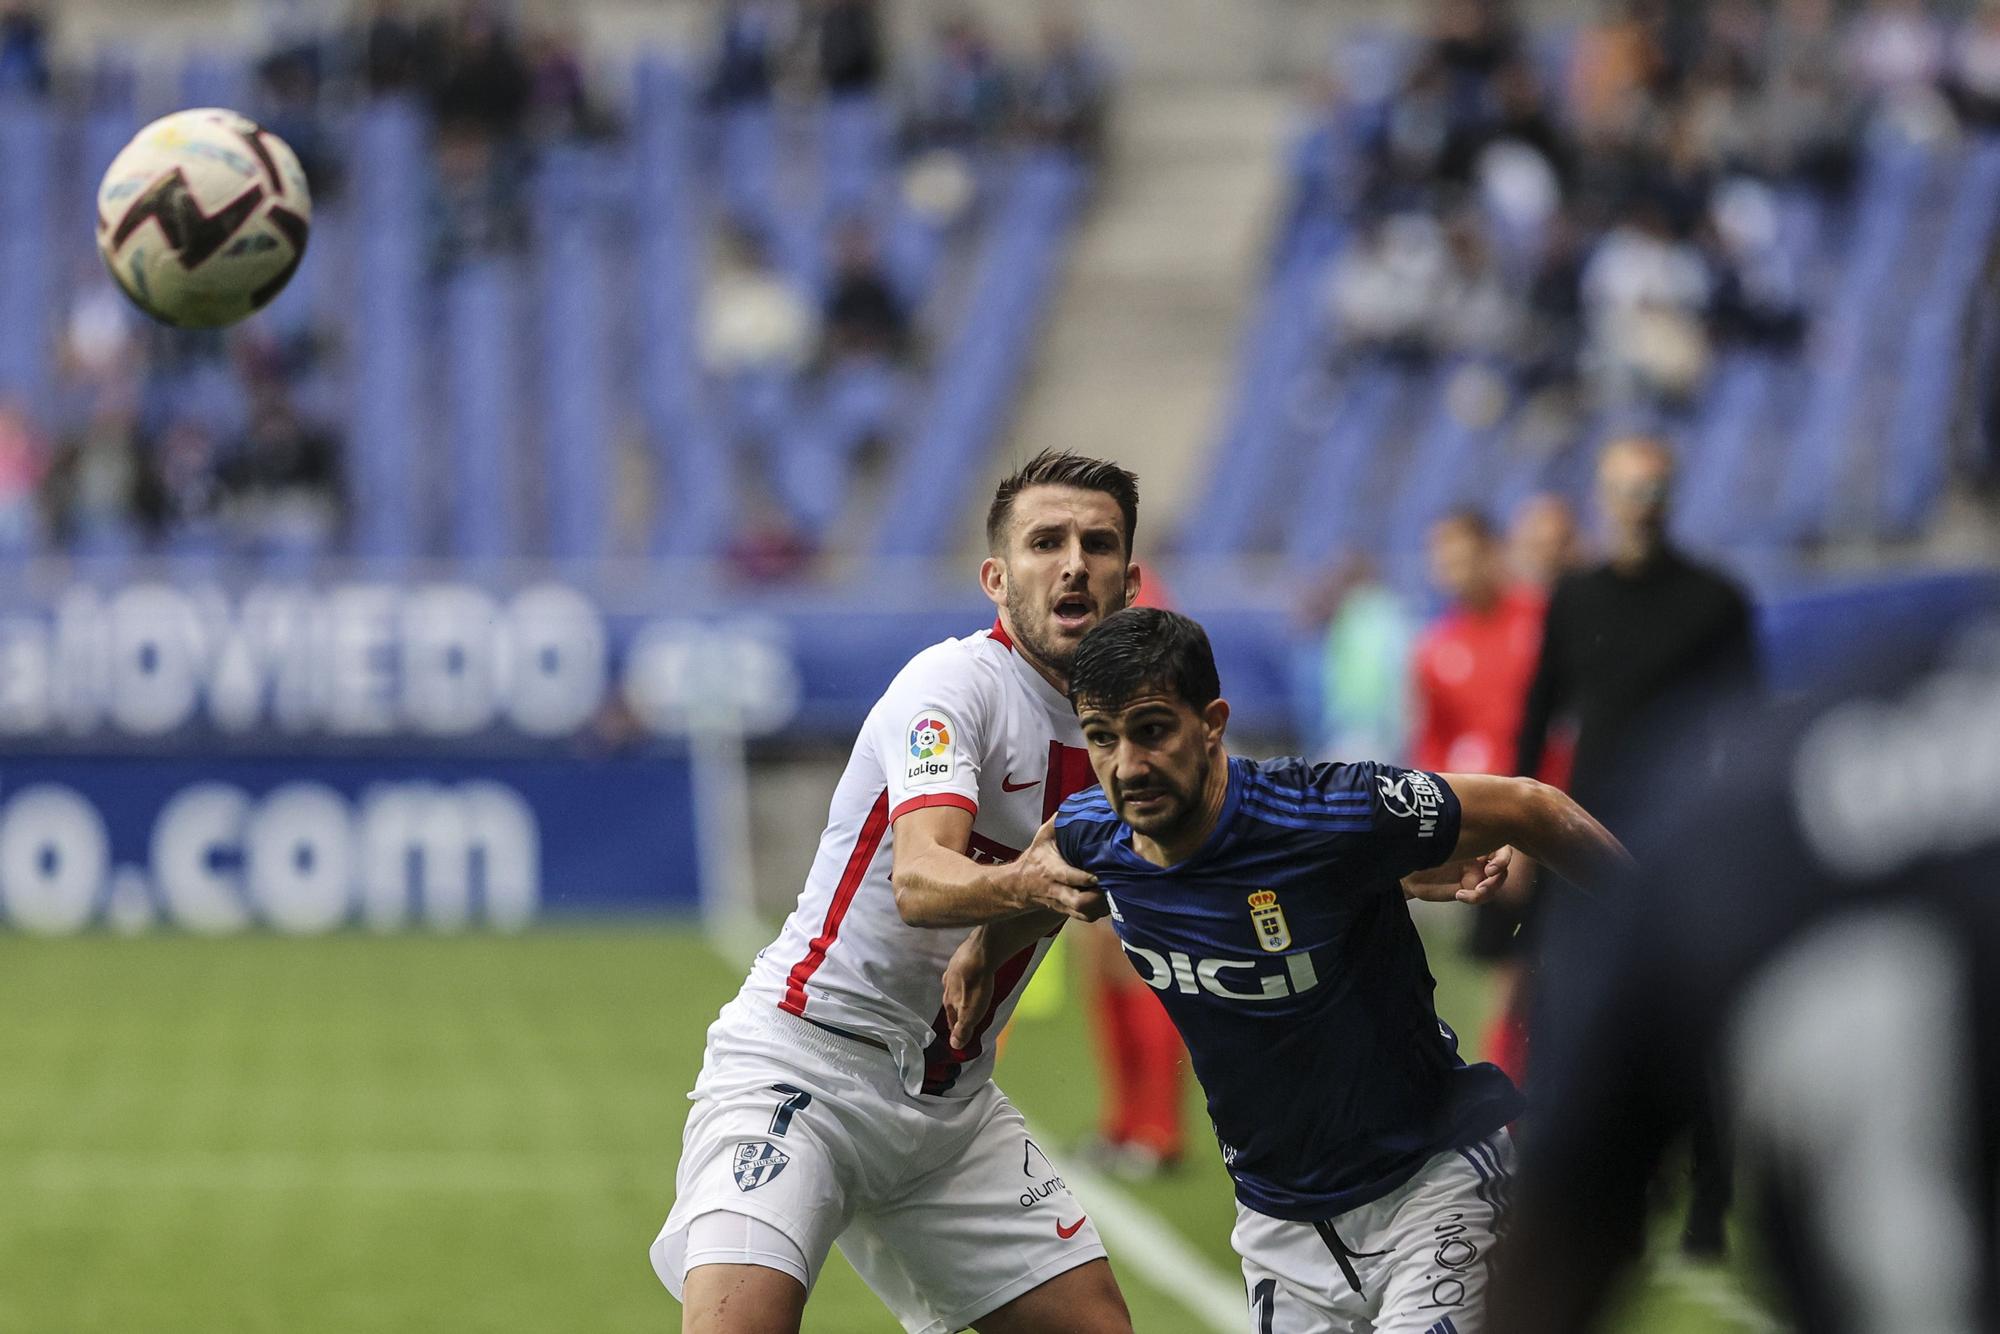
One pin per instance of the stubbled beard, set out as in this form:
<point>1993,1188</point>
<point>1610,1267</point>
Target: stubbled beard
<point>1032,629</point>
<point>1186,805</point>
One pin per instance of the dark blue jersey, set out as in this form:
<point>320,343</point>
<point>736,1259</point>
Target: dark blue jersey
<point>1284,951</point>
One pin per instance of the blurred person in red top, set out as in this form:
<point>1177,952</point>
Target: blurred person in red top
<point>1471,672</point>
<point>1142,1062</point>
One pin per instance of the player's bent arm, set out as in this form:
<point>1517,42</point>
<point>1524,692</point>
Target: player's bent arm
<point>968,978</point>
<point>1542,821</point>
<point>937,885</point>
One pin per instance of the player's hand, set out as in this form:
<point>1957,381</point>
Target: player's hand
<point>1047,881</point>
<point>968,989</point>
<point>1474,880</point>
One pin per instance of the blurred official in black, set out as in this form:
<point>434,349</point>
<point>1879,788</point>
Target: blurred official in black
<point>1647,632</point>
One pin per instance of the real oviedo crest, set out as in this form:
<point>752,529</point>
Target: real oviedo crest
<point>1273,932</point>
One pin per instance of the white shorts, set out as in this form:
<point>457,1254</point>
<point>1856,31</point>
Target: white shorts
<point>943,1205</point>
<point>1420,1255</point>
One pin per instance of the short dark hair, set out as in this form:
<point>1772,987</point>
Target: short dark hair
<point>1053,467</point>
<point>1140,649</point>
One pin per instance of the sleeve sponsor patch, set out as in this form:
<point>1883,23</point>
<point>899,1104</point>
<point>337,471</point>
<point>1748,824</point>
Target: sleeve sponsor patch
<point>932,736</point>
<point>1411,794</point>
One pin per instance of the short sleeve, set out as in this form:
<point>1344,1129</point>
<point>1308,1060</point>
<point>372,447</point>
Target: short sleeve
<point>933,727</point>
<point>1409,817</point>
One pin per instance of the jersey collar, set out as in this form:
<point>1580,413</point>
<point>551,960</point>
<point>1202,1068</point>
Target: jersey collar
<point>1048,694</point>
<point>1121,842</point>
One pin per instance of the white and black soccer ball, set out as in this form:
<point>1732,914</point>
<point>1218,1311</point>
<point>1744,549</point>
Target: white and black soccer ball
<point>203,218</point>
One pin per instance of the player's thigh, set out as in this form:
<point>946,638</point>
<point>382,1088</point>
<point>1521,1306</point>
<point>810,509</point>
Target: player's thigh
<point>1290,1279</point>
<point>985,1227</point>
<point>1442,1239</point>
<point>762,1149</point>
<point>1083,1300</point>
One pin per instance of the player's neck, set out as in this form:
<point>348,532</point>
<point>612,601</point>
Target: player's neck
<point>1177,847</point>
<point>1059,680</point>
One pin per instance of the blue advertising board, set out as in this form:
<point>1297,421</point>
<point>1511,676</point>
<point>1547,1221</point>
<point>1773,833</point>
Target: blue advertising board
<point>311,844</point>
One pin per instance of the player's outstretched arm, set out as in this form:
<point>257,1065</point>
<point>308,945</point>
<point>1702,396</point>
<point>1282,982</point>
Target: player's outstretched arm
<point>937,885</point>
<point>1538,819</point>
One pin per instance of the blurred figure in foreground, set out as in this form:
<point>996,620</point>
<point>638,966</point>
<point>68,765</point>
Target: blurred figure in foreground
<point>1624,641</point>
<point>1469,676</point>
<point>1814,917</point>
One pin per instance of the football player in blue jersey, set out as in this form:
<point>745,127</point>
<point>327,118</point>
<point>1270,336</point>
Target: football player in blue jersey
<point>1265,901</point>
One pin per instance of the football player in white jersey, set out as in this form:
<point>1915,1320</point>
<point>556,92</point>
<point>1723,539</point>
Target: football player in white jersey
<point>832,1105</point>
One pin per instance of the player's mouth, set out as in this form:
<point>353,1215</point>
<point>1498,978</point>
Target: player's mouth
<point>1144,801</point>
<point>1074,611</point>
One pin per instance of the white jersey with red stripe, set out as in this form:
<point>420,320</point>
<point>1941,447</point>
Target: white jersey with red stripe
<point>967,723</point>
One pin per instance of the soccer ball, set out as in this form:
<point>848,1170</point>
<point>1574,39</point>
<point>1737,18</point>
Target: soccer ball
<point>203,218</point>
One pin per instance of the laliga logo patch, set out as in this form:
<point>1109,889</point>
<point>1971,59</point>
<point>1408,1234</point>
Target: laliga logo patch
<point>930,746</point>
<point>1274,933</point>
<point>758,1163</point>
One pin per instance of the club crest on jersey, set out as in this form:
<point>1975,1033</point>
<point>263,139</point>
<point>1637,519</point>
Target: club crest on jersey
<point>931,734</point>
<point>1274,933</point>
<point>758,1163</point>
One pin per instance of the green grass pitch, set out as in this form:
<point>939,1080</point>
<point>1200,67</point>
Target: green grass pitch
<point>359,1134</point>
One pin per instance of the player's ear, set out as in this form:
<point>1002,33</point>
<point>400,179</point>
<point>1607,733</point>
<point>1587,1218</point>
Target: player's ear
<point>1215,720</point>
<point>1133,578</point>
<point>993,580</point>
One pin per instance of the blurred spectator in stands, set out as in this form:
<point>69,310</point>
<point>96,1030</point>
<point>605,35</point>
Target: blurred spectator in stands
<point>283,480</point>
<point>1552,336</point>
<point>399,54</point>
<point>1760,291</point>
<point>1387,291</point>
<point>962,97</point>
<point>24,48</point>
<point>1617,63</point>
<point>847,45</point>
<point>484,84</point>
<point>1543,543</point>
<point>1469,678</point>
<point>24,461</point>
<point>1416,144</point>
<point>99,484</point>
<point>1066,92</point>
<point>1895,50</point>
<point>1472,41</point>
<point>290,80</point>
<point>1974,74</point>
<point>559,102</point>
<point>754,318</point>
<point>477,208</point>
<point>1480,316</point>
<point>187,468</point>
<point>865,317</point>
<point>1645,298</point>
<point>751,39</point>
<point>1355,637</point>
<point>1807,124</point>
<point>1646,630</point>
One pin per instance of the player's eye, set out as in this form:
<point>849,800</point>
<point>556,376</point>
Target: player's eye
<point>1100,739</point>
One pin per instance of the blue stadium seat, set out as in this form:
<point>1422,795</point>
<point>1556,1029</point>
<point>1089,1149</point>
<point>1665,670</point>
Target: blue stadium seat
<point>482,378</point>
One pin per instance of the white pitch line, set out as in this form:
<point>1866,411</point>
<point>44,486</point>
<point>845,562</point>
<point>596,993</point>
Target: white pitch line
<point>1150,1246</point>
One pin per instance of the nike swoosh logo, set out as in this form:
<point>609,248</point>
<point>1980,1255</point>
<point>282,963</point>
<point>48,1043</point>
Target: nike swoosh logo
<point>1067,1232</point>
<point>1008,784</point>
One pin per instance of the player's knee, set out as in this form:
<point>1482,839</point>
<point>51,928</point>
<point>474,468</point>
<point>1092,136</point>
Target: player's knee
<point>741,1299</point>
